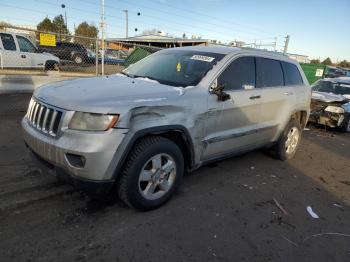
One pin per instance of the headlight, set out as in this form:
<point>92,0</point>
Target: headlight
<point>92,122</point>
<point>335,109</point>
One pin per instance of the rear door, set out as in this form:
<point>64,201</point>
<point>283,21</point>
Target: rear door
<point>294,81</point>
<point>277,100</point>
<point>231,124</point>
<point>10,55</point>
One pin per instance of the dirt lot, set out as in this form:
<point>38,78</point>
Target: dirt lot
<point>223,212</point>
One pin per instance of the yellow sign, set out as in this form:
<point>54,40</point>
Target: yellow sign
<point>47,39</point>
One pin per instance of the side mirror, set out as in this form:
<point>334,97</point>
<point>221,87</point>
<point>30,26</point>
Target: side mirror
<point>218,90</point>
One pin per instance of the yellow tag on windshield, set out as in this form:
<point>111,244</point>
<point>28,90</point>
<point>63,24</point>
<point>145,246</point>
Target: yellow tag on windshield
<point>178,67</point>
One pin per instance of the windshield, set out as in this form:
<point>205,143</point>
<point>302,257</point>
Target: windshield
<point>175,67</point>
<point>331,87</point>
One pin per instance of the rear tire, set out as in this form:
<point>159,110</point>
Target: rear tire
<point>287,145</point>
<point>152,173</point>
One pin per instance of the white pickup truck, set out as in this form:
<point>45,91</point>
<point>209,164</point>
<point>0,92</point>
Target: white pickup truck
<point>17,51</point>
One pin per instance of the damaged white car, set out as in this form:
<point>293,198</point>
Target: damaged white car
<point>330,105</point>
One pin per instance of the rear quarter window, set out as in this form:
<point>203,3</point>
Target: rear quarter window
<point>292,75</point>
<point>269,72</point>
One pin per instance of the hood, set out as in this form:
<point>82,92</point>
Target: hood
<point>328,97</point>
<point>105,94</point>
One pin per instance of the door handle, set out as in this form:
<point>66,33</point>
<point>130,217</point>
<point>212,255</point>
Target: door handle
<point>288,93</point>
<point>23,56</point>
<point>255,97</point>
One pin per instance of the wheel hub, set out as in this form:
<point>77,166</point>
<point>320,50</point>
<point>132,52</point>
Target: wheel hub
<point>157,176</point>
<point>292,140</point>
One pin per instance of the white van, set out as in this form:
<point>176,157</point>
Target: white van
<point>17,51</point>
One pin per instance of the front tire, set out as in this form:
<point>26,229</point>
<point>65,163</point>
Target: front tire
<point>152,173</point>
<point>288,144</point>
<point>51,65</point>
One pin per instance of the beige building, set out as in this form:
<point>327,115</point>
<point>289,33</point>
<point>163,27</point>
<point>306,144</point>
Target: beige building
<point>299,58</point>
<point>154,40</point>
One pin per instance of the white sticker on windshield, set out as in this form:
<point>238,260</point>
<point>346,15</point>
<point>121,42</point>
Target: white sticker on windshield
<point>203,58</point>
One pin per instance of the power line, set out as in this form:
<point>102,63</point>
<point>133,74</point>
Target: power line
<point>220,35</point>
<point>212,17</point>
<point>172,21</point>
<point>152,17</point>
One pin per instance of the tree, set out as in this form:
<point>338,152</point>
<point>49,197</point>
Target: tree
<point>315,61</point>
<point>60,25</point>
<point>46,25</point>
<point>84,29</point>
<point>327,61</point>
<point>4,24</point>
<point>344,63</point>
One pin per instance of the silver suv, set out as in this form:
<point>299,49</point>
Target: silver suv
<point>135,134</point>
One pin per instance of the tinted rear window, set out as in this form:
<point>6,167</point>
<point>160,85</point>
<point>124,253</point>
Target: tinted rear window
<point>269,72</point>
<point>291,74</point>
<point>8,42</point>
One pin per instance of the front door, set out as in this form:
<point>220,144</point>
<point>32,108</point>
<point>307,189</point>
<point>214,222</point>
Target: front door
<point>231,125</point>
<point>10,56</point>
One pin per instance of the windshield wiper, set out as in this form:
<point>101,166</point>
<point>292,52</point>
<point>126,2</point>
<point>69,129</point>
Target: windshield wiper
<point>147,77</point>
<point>126,74</point>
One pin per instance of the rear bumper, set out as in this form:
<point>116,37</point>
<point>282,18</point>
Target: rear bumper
<point>93,187</point>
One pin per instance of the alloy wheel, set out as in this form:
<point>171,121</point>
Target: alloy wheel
<point>157,176</point>
<point>292,140</point>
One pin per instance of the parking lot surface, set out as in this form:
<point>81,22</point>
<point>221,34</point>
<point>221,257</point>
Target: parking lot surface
<point>247,208</point>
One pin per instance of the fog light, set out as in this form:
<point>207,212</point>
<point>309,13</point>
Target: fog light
<point>75,160</point>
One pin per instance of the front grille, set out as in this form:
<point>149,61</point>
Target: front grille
<point>44,118</point>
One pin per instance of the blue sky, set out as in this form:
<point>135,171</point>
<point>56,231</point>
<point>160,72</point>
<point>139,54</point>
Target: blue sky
<point>318,28</point>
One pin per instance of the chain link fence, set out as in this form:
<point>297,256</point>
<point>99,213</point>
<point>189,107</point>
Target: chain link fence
<point>27,51</point>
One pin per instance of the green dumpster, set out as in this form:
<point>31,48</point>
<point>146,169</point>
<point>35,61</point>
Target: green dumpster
<point>136,55</point>
<point>313,72</point>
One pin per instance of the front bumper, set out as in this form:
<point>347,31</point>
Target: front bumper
<point>93,187</point>
<point>328,118</point>
<point>96,148</point>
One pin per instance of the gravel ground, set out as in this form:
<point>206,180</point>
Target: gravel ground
<point>223,212</point>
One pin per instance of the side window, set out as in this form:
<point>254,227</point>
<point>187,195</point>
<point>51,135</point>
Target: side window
<point>291,74</point>
<point>269,72</point>
<point>25,45</point>
<point>240,74</point>
<point>8,42</point>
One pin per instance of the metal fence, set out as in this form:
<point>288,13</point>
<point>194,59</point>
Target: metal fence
<point>27,51</point>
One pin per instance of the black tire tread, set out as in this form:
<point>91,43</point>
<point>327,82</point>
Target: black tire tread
<point>135,152</point>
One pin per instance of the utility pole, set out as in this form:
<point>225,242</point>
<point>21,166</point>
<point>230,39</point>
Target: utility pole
<point>65,16</point>
<point>275,45</point>
<point>126,23</point>
<point>286,43</point>
<point>102,26</point>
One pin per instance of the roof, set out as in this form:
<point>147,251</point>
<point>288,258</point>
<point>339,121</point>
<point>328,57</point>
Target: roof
<point>229,50</point>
